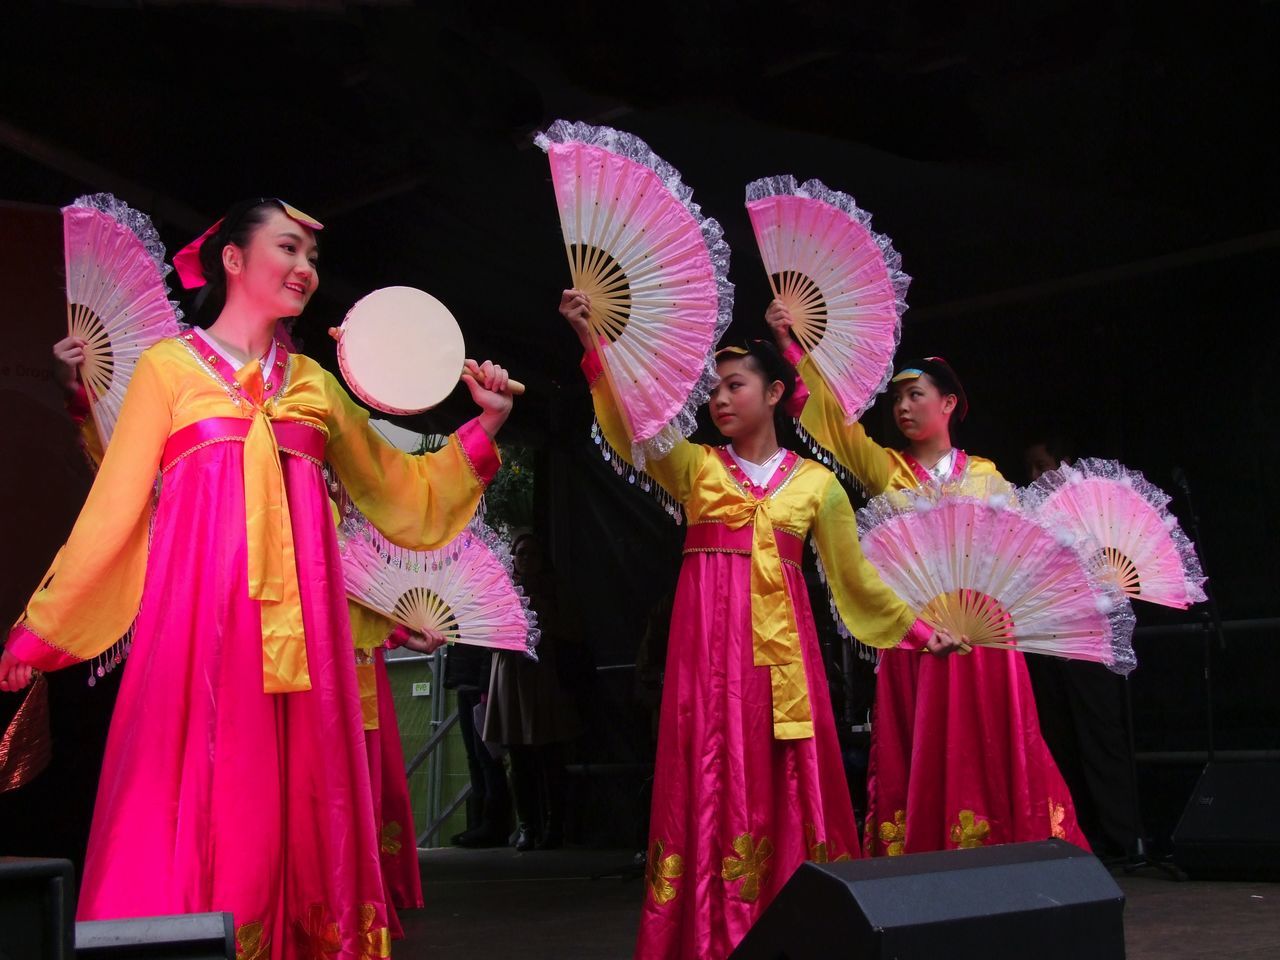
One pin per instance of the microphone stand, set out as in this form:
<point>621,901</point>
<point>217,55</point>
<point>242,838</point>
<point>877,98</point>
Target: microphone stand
<point>1210,618</point>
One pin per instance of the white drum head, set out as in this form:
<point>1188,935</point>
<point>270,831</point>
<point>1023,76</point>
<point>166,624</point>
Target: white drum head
<point>401,350</point>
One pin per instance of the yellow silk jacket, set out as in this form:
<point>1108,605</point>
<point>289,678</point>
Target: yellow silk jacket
<point>92,592</point>
<point>877,468</point>
<point>810,501</point>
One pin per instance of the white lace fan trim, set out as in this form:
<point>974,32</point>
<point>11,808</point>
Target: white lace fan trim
<point>1037,494</point>
<point>139,224</point>
<point>899,279</point>
<point>356,524</point>
<point>1110,600</point>
<point>633,148</point>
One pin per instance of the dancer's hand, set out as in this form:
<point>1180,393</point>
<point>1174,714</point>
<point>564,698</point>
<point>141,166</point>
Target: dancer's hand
<point>944,642</point>
<point>428,641</point>
<point>575,306</point>
<point>68,356</point>
<point>488,385</point>
<point>14,674</point>
<point>778,317</point>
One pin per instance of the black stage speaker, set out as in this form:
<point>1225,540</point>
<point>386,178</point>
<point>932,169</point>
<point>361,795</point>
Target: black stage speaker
<point>1047,901</point>
<point>1230,830</point>
<point>37,909</point>
<point>191,936</point>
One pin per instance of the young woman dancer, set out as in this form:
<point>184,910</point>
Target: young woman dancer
<point>957,759</point>
<point>749,781</point>
<point>235,776</point>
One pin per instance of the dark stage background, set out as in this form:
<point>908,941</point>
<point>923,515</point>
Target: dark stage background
<point>1083,191</point>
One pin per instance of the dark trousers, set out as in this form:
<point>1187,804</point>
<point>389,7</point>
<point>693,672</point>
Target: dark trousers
<point>538,780</point>
<point>1082,718</point>
<point>490,808</point>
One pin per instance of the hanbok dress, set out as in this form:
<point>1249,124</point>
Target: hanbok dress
<point>236,775</point>
<point>749,781</point>
<point>397,838</point>
<point>957,759</point>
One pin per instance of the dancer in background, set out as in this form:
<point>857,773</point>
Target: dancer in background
<point>749,781</point>
<point>235,775</point>
<point>467,671</point>
<point>1081,710</point>
<point>529,710</point>
<point>957,759</point>
<point>373,634</point>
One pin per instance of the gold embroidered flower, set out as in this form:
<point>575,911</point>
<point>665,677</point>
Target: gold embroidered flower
<point>894,834</point>
<point>750,865</point>
<point>661,871</point>
<point>969,832</point>
<point>374,943</point>
<point>818,851</point>
<point>319,937</point>
<point>250,943</point>
<point>389,841</point>
<point>1057,814</point>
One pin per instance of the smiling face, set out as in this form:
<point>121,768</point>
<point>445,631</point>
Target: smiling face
<point>921,410</point>
<point>276,271</point>
<point>742,401</point>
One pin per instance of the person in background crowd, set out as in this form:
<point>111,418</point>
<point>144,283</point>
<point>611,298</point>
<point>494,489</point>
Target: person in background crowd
<point>530,712</point>
<point>1082,716</point>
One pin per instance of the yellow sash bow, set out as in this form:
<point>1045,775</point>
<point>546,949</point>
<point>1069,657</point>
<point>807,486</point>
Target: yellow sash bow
<point>273,571</point>
<point>775,639</point>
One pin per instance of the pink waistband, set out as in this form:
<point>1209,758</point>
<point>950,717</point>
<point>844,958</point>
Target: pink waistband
<point>720,538</point>
<point>292,436</point>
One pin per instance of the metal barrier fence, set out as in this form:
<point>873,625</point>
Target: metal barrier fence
<point>439,808</point>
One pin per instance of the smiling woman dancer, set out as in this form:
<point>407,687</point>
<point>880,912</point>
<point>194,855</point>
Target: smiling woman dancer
<point>371,632</point>
<point>235,776</point>
<point>749,782</point>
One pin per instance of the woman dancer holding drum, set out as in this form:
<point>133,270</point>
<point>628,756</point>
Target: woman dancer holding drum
<point>371,633</point>
<point>235,776</point>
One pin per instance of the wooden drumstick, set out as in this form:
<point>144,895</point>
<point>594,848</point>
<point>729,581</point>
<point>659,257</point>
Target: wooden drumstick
<point>514,387</point>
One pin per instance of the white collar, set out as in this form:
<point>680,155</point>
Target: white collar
<point>758,473</point>
<point>266,362</point>
<point>946,463</point>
